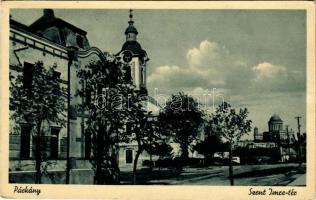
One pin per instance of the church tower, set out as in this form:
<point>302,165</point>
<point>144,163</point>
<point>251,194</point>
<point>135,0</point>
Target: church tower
<point>133,56</point>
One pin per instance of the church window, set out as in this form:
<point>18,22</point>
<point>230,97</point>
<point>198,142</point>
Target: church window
<point>133,71</point>
<point>128,75</point>
<point>143,75</point>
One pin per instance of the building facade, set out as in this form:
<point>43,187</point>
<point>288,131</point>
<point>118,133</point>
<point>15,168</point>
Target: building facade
<point>57,42</point>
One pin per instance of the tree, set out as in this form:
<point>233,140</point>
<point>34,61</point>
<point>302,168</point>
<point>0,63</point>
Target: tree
<point>161,149</point>
<point>116,114</point>
<point>145,133</point>
<point>182,118</point>
<point>37,97</point>
<point>232,126</point>
<point>105,93</point>
<point>209,146</point>
<point>144,126</point>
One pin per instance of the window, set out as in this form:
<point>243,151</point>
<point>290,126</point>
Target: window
<point>56,76</point>
<point>54,143</point>
<point>129,156</point>
<point>128,74</point>
<point>88,97</point>
<point>100,89</point>
<point>142,75</point>
<point>87,145</point>
<point>133,72</point>
<point>79,41</point>
<point>128,128</point>
<point>25,142</point>
<point>27,75</point>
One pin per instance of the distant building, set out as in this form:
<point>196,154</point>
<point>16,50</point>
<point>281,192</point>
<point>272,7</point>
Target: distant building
<point>257,136</point>
<point>276,137</point>
<point>275,123</point>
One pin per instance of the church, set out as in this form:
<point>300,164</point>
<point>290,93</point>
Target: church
<point>279,142</point>
<point>56,42</point>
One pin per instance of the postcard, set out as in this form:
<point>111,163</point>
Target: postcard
<point>158,100</point>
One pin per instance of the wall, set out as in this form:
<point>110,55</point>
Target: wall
<point>26,47</point>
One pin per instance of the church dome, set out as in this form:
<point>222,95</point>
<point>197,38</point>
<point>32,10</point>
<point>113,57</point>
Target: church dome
<point>131,29</point>
<point>275,118</point>
<point>131,43</point>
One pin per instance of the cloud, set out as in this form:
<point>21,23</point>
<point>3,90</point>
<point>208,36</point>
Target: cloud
<point>207,53</point>
<point>267,70</point>
<point>208,98</point>
<point>276,78</point>
<point>202,69</point>
<point>211,65</point>
<point>264,87</point>
<point>165,77</point>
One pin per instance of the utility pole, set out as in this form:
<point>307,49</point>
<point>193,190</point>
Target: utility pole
<point>71,57</point>
<point>288,140</point>
<point>299,139</point>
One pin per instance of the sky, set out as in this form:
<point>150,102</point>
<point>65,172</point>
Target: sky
<point>251,58</point>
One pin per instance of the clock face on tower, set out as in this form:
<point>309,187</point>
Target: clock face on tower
<point>127,56</point>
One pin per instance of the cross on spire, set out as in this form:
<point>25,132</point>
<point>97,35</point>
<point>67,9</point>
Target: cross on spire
<point>130,15</point>
<point>131,28</point>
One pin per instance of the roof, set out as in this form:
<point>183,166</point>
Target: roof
<point>134,47</point>
<point>49,20</point>
<point>19,25</point>
<point>275,118</point>
<point>25,29</point>
<point>131,28</point>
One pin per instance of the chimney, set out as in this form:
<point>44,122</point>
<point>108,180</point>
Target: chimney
<point>48,13</point>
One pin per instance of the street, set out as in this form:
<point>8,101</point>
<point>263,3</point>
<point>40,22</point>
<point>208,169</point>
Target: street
<point>263,175</point>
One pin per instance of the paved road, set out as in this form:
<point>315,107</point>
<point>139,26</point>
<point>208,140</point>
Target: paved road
<point>246,175</point>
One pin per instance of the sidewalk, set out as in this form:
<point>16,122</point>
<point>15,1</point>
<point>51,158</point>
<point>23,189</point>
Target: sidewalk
<point>300,181</point>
